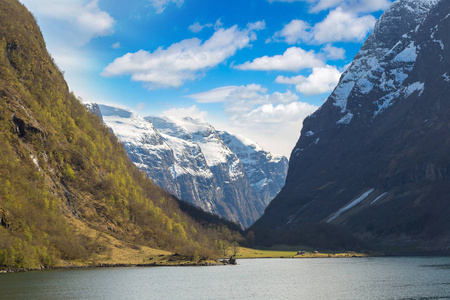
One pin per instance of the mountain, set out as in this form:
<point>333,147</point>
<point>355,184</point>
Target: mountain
<point>266,172</point>
<point>372,166</point>
<point>69,195</point>
<point>189,158</point>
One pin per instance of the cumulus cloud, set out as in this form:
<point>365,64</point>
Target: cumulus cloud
<point>260,25</point>
<point>244,98</point>
<point>321,80</point>
<point>358,6</point>
<point>277,114</point>
<point>76,21</point>
<point>343,26</point>
<point>293,59</point>
<point>275,126</point>
<point>340,25</point>
<point>160,5</point>
<point>273,119</point>
<point>181,61</point>
<point>294,32</point>
<point>333,53</point>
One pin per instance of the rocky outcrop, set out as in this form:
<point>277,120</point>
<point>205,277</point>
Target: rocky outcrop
<point>95,109</point>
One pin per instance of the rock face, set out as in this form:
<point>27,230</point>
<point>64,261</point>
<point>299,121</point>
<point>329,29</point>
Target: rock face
<point>263,169</point>
<point>95,109</point>
<point>373,161</point>
<point>194,162</point>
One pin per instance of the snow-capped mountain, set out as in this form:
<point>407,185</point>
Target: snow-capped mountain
<point>374,159</point>
<point>262,167</point>
<point>188,157</point>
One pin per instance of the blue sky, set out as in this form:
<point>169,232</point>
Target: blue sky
<point>254,67</point>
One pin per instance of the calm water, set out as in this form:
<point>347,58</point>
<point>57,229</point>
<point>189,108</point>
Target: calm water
<point>357,278</point>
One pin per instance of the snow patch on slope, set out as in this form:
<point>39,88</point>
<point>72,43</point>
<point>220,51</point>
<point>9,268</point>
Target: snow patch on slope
<point>346,119</point>
<point>350,205</point>
<point>409,54</point>
<point>403,93</point>
<point>378,198</point>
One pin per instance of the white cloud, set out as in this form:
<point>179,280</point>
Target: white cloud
<point>342,26</point>
<point>218,24</point>
<point>293,59</point>
<point>333,53</point>
<point>116,46</point>
<point>216,95</point>
<point>196,27</point>
<point>277,114</point>
<point>182,112</point>
<point>321,80</point>
<point>275,127</point>
<point>181,61</point>
<point>76,20</point>
<point>319,5</point>
<point>357,6</point>
<point>272,119</point>
<point>294,32</point>
<point>160,5</point>
<point>244,98</point>
<point>260,25</point>
<point>288,1</point>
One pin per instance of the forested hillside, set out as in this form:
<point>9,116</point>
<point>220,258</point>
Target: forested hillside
<point>60,166</point>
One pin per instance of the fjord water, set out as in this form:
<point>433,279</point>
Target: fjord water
<point>328,278</point>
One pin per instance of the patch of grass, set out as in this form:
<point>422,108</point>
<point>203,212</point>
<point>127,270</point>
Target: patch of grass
<point>277,252</point>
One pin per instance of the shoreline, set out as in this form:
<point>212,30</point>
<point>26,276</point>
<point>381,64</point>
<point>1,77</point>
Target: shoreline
<point>117,265</point>
<point>244,253</point>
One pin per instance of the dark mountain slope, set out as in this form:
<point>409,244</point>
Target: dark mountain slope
<point>59,166</point>
<point>374,160</point>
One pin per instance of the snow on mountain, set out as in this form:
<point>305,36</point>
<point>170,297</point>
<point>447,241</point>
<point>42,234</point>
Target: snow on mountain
<point>200,132</point>
<point>144,144</point>
<point>266,172</point>
<point>382,65</point>
<point>190,159</point>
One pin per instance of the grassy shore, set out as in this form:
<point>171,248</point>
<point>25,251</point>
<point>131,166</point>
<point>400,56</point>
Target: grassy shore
<point>118,253</point>
<point>278,252</point>
<point>114,252</point>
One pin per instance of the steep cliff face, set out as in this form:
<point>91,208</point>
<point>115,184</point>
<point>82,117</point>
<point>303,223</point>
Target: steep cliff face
<point>191,160</point>
<point>374,160</point>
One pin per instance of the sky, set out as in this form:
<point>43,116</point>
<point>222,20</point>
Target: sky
<point>253,67</point>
